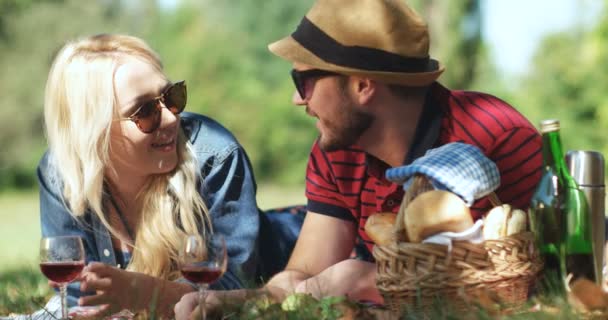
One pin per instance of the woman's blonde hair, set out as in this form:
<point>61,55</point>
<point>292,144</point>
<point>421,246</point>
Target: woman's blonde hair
<point>79,107</point>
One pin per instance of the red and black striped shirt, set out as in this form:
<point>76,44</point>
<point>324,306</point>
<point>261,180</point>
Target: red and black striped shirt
<point>350,184</point>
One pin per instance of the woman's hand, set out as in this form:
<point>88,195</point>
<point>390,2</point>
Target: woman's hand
<point>116,289</point>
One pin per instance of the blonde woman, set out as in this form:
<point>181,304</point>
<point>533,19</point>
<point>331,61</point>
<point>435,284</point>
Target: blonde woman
<point>131,174</point>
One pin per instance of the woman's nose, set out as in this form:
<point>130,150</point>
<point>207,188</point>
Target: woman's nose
<point>167,118</point>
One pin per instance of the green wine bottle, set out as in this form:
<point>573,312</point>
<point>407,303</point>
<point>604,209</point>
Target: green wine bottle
<point>559,214</point>
<point>546,212</point>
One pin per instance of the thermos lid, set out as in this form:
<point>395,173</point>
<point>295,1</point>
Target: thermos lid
<point>586,167</point>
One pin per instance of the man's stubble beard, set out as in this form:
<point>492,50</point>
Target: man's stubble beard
<point>345,131</point>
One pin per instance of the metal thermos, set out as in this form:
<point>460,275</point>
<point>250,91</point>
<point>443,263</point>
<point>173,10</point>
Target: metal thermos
<point>587,169</point>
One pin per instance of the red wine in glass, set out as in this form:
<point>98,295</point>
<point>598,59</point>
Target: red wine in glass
<point>201,274</point>
<point>203,260</point>
<point>61,272</point>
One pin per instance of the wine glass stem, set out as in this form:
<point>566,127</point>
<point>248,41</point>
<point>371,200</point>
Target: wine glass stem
<point>64,301</point>
<point>202,292</point>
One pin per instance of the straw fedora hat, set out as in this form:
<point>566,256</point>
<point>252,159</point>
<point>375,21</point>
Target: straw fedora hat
<point>384,40</point>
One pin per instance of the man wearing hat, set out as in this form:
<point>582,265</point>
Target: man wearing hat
<point>362,68</point>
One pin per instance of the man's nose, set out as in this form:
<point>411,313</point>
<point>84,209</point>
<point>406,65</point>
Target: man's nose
<point>297,99</point>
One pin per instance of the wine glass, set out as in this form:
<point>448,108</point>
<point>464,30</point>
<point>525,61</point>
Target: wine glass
<point>61,261</point>
<point>203,260</point>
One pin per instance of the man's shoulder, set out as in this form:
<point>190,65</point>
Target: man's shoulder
<point>484,110</point>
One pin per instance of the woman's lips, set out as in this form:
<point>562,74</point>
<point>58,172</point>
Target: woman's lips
<point>164,146</point>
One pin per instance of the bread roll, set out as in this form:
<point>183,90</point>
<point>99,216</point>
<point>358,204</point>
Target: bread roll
<point>585,295</point>
<point>503,221</point>
<point>380,228</point>
<point>495,222</point>
<point>517,222</point>
<point>434,212</point>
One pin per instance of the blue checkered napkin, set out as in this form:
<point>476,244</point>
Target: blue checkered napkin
<point>456,167</point>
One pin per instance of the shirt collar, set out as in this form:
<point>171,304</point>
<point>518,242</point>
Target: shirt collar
<point>425,137</point>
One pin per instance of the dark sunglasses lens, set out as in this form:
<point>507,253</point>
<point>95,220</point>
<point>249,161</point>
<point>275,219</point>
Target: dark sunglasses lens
<point>148,117</point>
<point>299,83</point>
<point>175,98</point>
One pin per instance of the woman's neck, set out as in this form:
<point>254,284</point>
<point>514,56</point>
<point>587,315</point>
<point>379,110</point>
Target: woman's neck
<point>125,187</point>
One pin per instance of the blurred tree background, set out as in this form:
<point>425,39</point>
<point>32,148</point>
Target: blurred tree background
<point>219,47</point>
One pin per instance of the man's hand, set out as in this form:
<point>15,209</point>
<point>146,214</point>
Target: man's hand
<point>189,307</point>
<point>353,278</point>
<point>186,305</point>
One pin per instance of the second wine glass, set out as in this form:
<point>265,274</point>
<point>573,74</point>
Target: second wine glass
<point>203,260</point>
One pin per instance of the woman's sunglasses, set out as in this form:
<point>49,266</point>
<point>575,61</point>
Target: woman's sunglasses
<point>147,117</point>
<point>301,78</point>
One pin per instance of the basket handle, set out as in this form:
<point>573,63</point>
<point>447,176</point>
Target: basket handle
<point>419,185</point>
<point>494,199</point>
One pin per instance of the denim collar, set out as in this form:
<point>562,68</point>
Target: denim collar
<point>190,125</point>
<point>425,136</point>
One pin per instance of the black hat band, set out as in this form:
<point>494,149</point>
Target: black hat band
<point>325,47</point>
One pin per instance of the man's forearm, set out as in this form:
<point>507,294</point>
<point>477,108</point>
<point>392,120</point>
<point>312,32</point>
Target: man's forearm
<point>353,278</point>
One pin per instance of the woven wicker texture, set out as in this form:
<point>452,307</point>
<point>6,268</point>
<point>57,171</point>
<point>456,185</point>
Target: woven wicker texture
<point>416,274</point>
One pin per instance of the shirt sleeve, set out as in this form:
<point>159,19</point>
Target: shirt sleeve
<point>229,191</point>
<point>56,219</point>
<point>322,191</point>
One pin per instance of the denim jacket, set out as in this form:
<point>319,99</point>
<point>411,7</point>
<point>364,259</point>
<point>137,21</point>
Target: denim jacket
<point>228,188</point>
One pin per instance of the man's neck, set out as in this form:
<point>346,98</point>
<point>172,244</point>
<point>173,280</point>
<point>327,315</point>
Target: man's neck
<point>392,134</point>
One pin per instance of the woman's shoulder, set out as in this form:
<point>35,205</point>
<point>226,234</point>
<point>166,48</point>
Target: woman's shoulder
<point>207,135</point>
<point>47,170</point>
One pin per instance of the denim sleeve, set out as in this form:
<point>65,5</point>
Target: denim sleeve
<point>229,191</point>
<point>56,220</point>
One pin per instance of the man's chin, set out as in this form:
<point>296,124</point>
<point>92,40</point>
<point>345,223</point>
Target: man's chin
<point>329,145</point>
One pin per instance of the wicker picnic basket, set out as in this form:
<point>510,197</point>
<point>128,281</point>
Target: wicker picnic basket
<point>417,274</point>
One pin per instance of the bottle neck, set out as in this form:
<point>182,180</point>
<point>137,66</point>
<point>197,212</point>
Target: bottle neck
<point>553,156</point>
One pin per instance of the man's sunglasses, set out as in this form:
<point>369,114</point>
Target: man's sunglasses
<point>301,78</point>
<point>147,117</point>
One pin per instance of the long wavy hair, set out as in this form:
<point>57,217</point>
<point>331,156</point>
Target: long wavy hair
<point>80,105</point>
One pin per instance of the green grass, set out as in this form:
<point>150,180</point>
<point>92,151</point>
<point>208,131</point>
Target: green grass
<point>23,289</point>
<point>19,229</point>
<point>20,223</point>
<point>274,196</point>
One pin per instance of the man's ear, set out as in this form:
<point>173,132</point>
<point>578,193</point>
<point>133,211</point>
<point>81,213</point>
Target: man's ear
<point>364,89</point>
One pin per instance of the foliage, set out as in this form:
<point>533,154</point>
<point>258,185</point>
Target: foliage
<point>568,81</point>
<point>455,32</point>
<point>36,32</point>
<point>220,48</point>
